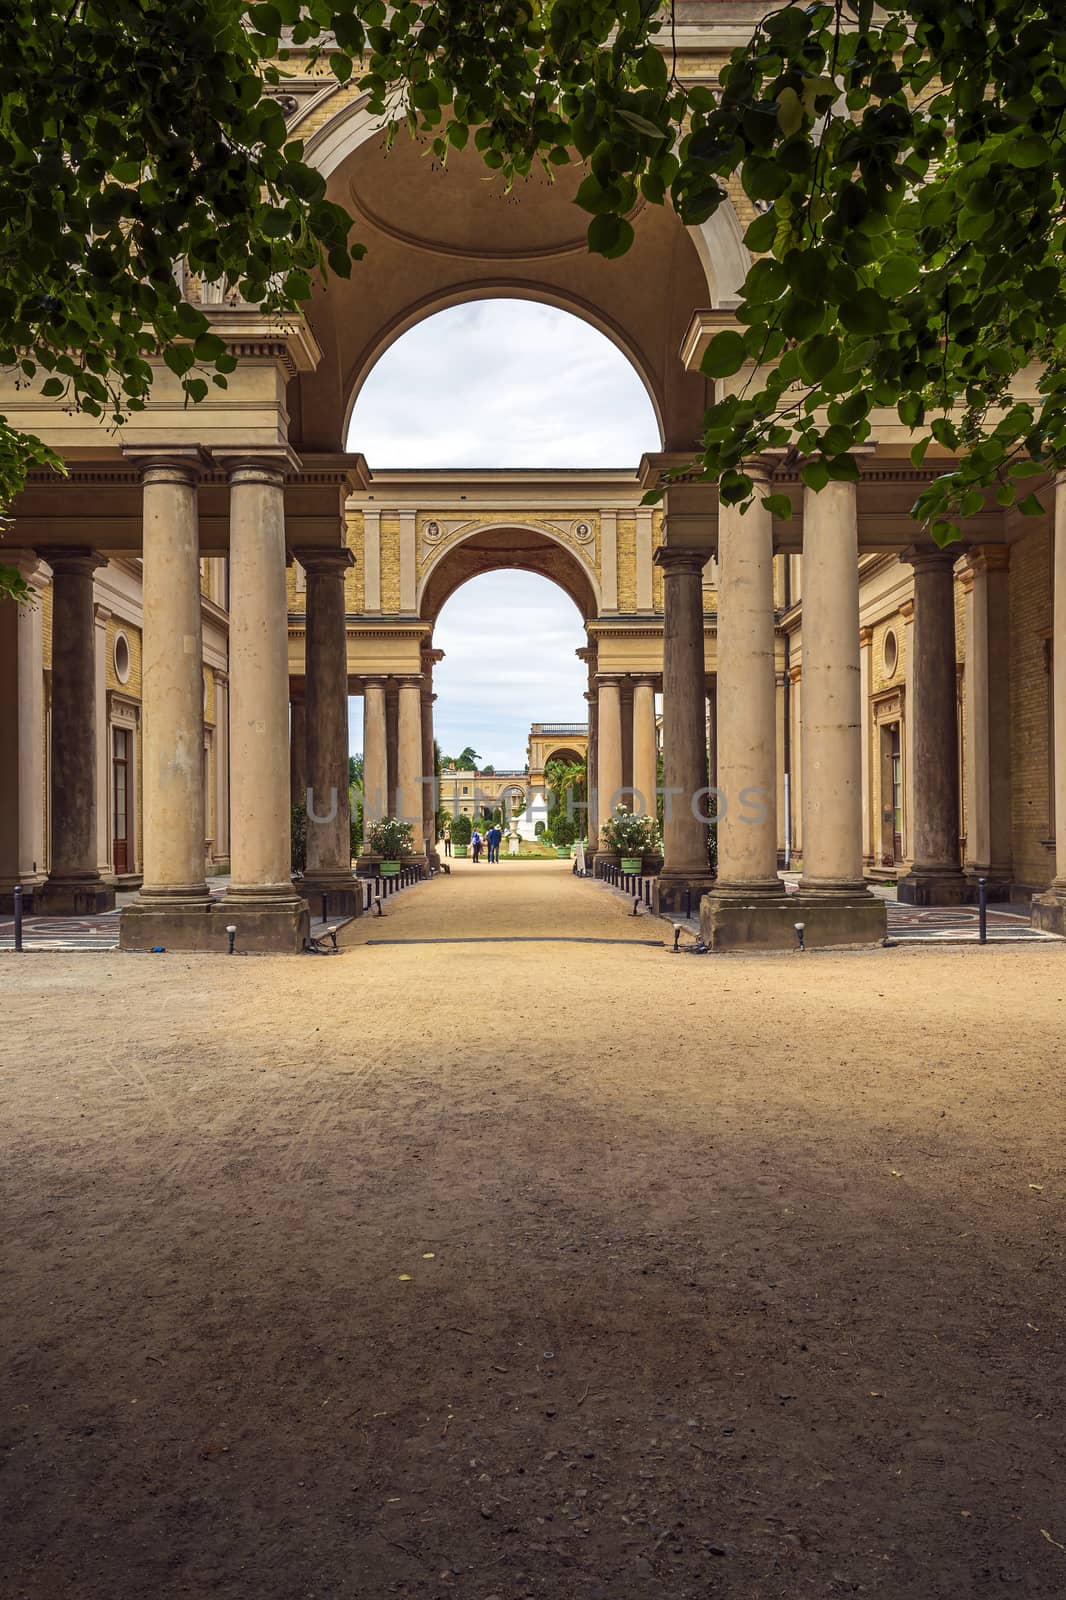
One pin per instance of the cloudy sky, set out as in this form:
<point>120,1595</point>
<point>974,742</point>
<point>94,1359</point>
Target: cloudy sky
<point>503,383</point>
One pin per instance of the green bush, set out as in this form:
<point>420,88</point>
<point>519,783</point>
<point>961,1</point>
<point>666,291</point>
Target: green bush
<point>563,832</point>
<point>298,836</point>
<point>390,838</point>
<point>462,828</point>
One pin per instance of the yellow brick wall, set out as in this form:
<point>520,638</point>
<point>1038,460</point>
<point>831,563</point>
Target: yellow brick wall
<point>210,696</point>
<point>656,572</point>
<point>132,686</point>
<point>355,577</point>
<point>879,678</point>
<point>295,601</point>
<point>390,563</point>
<point>1030,620</point>
<point>627,563</point>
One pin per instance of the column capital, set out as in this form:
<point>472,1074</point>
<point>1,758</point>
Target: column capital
<point>929,558</point>
<point>330,561</point>
<point>644,680</point>
<point>676,559</point>
<point>75,563</point>
<point>257,464</point>
<point>989,557</point>
<point>176,463</point>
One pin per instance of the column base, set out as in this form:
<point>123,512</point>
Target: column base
<point>1048,911</point>
<point>73,897</point>
<point>177,922</point>
<point>344,896</point>
<point>730,919</point>
<point>269,920</point>
<point>997,884</point>
<point>31,888</point>
<point>368,864</point>
<point>933,887</point>
<point>679,893</point>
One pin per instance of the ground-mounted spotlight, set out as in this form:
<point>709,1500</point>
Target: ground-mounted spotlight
<point>799,935</point>
<point>231,934</point>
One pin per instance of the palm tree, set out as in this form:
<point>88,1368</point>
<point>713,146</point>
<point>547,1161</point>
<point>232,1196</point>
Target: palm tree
<point>565,778</point>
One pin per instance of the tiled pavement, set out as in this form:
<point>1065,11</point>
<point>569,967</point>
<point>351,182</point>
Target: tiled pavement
<point>944,924</point>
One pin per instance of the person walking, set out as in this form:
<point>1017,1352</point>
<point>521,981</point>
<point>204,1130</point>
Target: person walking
<point>447,838</point>
<point>475,845</point>
<point>495,835</point>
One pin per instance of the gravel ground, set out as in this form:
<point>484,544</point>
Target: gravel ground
<point>509,1270</point>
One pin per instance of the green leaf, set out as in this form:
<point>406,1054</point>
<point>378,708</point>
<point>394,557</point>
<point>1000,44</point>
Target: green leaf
<point>815,474</point>
<point>819,356</point>
<point>898,276</point>
<point>725,355</point>
<point>778,505</point>
<point>610,236</point>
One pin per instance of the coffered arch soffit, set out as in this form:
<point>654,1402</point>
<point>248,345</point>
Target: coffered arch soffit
<point>441,237</point>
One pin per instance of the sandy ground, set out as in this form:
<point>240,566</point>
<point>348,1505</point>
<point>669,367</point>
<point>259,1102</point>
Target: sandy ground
<point>551,1270</point>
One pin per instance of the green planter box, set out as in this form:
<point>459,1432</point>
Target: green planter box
<point>390,869</point>
<point>632,863</point>
<point>563,852</point>
<point>461,850</point>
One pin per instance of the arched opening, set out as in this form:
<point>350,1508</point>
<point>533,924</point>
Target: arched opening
<point>509,642</point>
<point>508,383</point>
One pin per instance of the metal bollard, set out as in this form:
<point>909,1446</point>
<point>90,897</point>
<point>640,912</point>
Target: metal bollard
<point>17,904</point>
<point>325,906</point>
<point>982,910</point>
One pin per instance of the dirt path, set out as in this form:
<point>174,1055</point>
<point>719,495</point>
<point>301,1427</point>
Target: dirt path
<point>551,1270</point>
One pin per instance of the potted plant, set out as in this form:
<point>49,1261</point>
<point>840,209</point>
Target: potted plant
<point>462,828</point>
<point>631,837</point>
<point>563,832</point>
<point>390,839</point>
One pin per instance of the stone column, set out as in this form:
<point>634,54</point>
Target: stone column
<point>329,847</point>
<point>988,722</point>
<point>935,877</point>
<point>906,611</point>
<point>74,886</point>
<point>392,744</point>
<point>832,710</point>
<point>375,764</point>
<point>685,873</point>
<point>870,851</point>
<point>298,747</point>
<point>172,908</point>
<point>609,748</point>
<point>832,725</point>
<point>626,706</point>
<point>409,761</point>
<point>260,901</point>
<point>22,735</point>
<point>1049,909</point>
<point>587,654</point>
<point>747,702</point>
<point>645,753</point>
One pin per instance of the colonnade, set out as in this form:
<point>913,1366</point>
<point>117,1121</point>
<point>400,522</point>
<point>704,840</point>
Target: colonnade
<point>174,907</point>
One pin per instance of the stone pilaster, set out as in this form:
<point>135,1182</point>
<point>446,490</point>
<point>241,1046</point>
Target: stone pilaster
<point>329,850</point>
<point>101,617</point>
<point>74,886</point>
<point>685,872</point>
<point>1049,909</point>
<point>988,722</point>
<point>261,901</point>
<point>935,876</point>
